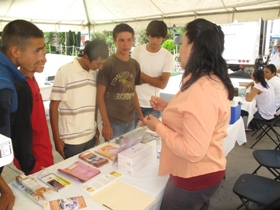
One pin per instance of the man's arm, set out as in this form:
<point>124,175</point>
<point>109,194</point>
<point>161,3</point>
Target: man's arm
<point>107,131</point>
<point>6,98</point>
<point>137,106</point>
<point>7,198</point>
<point>59,144</point>
<point>158,82</point>
<point>22,132</point>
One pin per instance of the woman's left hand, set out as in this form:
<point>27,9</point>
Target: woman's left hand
<point>151,122</point>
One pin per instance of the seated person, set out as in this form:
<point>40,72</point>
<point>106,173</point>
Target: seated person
<point>270,74</point>
<point>265,98</point>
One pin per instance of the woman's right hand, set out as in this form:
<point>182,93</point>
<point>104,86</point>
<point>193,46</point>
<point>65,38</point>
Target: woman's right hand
<point>158,103</point>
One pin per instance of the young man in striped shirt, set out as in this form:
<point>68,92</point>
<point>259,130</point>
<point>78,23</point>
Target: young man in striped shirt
<point>73,101</point>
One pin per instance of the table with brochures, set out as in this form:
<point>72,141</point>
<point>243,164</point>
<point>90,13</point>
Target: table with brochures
<point>146,180</point>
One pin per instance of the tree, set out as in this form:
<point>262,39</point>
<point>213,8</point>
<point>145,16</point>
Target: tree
<point>169,45</point>
<point>142,37</point>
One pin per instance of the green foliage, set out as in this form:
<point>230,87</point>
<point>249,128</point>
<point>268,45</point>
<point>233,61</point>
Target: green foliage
<point>169,45</point>
<point>142,37</point>
<point>61,37</point>
<point>98,35</point>
<point>106,36</point>
<point>49,37</point>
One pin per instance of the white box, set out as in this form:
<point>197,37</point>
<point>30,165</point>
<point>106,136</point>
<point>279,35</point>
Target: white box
<point>135,154</point>
<point>136,168</point>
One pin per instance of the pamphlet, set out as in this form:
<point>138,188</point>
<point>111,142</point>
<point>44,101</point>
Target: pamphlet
<point>72,203</point>
<point>36,198</point>
<point>35,189</point>
<point>93,159</point>
<point>126,141</point>
<point>108,151</point>
<point>55,182</point>
<point>80,171</point>
<point>101,182</point>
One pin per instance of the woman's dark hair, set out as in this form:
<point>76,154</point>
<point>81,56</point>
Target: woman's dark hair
<point>206,56</point>
<point>259,76</point>
<point>272,68</point>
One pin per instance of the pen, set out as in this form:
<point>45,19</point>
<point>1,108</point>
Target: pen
<point>107,206</point>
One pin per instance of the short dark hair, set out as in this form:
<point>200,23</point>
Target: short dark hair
<point>157,28</point>
<point>95,49</point>
<point>18,32</point>
<point>123,27</point>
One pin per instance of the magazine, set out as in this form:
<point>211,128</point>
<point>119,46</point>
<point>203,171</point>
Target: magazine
<point>55,182</point>
<point>72,203</point>
<point>93,159</point>
<point>80,171</point>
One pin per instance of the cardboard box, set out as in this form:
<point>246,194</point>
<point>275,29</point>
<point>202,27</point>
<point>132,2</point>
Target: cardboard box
<point>134,154</point>
<point>235,113</point>
<point>131,170</point>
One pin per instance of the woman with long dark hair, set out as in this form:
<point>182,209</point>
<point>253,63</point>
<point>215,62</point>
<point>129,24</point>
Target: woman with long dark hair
<point>194,123</point>
<point>265,98</point>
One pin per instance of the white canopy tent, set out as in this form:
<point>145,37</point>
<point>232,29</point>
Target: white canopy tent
<point>84,15</point>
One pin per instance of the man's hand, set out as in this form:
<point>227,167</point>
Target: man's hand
<point>107,132</point>
<point>59,147</point>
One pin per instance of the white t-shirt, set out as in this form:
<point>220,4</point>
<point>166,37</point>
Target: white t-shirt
<point>265,102</point>
<point>275,59</point>
<point>275,83</point>
<point>152,64</point>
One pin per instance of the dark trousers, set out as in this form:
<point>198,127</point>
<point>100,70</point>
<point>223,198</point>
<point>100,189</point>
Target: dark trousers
<point>71,150</point>
<point>176,198</point>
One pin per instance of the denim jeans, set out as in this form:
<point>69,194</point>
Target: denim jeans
<point>121,128</point>
<point>146,111</point>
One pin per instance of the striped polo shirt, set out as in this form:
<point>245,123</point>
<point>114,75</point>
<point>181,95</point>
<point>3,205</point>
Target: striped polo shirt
<point>76,89</point>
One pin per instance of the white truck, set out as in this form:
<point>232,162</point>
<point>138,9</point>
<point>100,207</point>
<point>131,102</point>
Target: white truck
<point>245,46</point>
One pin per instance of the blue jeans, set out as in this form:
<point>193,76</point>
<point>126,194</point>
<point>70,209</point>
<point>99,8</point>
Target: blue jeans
<point>146,111</point>
<point>121,128</point>
<point>71,150</point>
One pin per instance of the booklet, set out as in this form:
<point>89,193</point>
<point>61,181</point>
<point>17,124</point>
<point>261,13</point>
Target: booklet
<point>93,159</point>
<point>55,182</point>
<point>72,203</point>
<point>34,189</point>
<point>108,151</point>
<point>80,171</point>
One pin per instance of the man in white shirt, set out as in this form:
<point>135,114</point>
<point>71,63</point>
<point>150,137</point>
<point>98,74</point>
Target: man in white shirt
<point>275,59</point>
<point>156,65</point>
